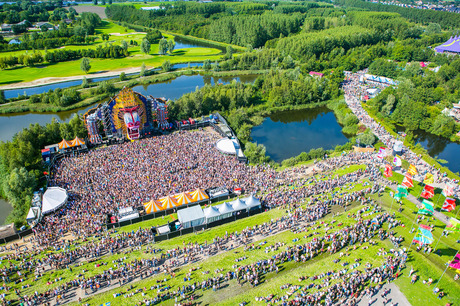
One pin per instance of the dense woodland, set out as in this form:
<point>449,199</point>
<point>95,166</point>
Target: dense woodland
<point>287,41</point>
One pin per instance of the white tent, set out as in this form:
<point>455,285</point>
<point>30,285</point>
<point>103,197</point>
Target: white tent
<point>53,199</point>
<point>191,216</point>
<point>211,213</point>
<point>34,213</point>
<point>252,202</point>
<point>225,210</point>
<point>238,205</point>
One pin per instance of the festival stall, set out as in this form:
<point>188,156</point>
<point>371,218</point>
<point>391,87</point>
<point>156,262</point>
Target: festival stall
<point>252,202</point>
<point>184,198</point>
<point>77,142</point>
<point>168,202</point>
<point>238,205</point>
<point>53,199</point>
<point>152,207</point>
<point>199,195</point>
<point>212,214</point>
<point>225,210</point>
<point>64,144</point>
<point>191,216</point>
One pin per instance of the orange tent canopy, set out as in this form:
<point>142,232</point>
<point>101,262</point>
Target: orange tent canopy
<point>168,202</point>
<point>199,195</point>
<point>77,142</point>
<point>64,144</point>
<point>152,206</point>
<point>184,198</point>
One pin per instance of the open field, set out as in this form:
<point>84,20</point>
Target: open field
<point>136,58</point>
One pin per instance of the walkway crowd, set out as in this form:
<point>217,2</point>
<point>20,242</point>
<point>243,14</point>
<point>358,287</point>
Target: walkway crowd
<point>355,90</point>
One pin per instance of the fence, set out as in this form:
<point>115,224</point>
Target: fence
<point>16,236</point>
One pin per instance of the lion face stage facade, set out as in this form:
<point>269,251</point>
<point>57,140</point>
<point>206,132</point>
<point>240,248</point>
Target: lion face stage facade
<point>127,115</point>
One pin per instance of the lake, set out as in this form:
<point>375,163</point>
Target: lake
<point>5,209</point>
<point>289,133</point>
<point>440,147</point>
<point>10,124</point>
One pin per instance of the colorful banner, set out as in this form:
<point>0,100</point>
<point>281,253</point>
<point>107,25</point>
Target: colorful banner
<point>428,192</point>
<point>397,161</point>
<point>455,263</point>
<point>388,171</point>
<point>382,153</point>
<point>424,236</point>
<point>429,179</point>
<point>412,170</point>
<point>427,209</point>
<point>448,190</point>
<point>453,225</point>
<point>407,181</point>
<point>449,204</point>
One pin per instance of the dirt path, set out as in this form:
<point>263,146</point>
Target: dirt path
<point>52,80</point>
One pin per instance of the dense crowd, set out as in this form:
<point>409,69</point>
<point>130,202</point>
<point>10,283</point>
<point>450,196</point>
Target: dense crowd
<point>355,90</point>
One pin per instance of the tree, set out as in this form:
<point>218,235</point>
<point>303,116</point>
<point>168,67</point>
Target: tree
<point>142,72</point>
<point>122,76</point>
<point>95,2</point>
<point>19,184</point>
<point>256,153</point>
<point>207,64</point>
<point>367,138</point>
<point>166,66</point>
<point>433,28</point>
<point>229,53</point>
<point>124,45</point>
<point>103,2</point>
<point>145,46</point>
<point>85,64</point>
<point>110,2</point>
<point>163,46</point>
<point>2,97</point>
<point>84,83</point>
<point>171,45</point>
<point>386,109</point>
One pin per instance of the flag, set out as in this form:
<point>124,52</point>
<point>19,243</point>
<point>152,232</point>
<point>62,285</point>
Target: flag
<point>429,179</point>
<point>428,192</point>
<point>427,209</point>
<point>401,193</point>
<point>412,170</point>
<point>455,263</point>
<point>424,236</point>
<point>453,225</point>
<point>397,161</point>
<point>448,190</point>
<point>388,171</point>
<point>382,153</point>
<point>449,204</point>
<point>374,221</point>
<point>407,181</point>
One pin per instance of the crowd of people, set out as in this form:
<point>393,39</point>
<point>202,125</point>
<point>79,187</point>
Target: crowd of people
<point>355,89</point>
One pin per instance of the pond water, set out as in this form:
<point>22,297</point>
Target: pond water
<point>5,209</point>
<point>287,134</point>
<point>10,124</point>
<point>441,148</point>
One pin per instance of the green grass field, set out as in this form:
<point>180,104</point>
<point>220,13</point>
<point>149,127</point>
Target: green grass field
<point>135,59</point>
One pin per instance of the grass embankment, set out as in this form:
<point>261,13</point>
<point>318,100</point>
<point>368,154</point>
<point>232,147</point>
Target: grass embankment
<point>232,294</point>
<point>119,33</point>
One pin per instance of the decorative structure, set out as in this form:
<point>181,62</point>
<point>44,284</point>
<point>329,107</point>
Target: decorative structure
<point>452,45</point>
<point>127,115</point>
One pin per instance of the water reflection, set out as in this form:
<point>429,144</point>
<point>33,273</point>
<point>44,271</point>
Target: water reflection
<point>287,134</point>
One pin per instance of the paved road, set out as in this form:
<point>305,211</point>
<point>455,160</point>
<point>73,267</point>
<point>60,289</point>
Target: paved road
<point>394,297</point>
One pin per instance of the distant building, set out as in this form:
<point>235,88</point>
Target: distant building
<point>48,25</point>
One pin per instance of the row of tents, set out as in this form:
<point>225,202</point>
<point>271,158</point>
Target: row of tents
<point>173,201</point>
<point>196,216</point>
<point>64,144</point>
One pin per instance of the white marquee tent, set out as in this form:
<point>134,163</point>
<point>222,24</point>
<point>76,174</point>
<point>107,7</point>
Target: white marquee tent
<point>211,213</point>
<point>225,210</point>
<point>191,216</point>
<point>53,199</point>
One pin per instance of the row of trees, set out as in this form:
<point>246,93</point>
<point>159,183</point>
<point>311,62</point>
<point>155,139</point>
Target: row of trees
<point>31,59</point>
<point>420,98</point>
<point>20,161</point>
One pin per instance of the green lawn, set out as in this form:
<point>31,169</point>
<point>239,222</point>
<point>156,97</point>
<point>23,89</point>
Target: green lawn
<point>135,58</point>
